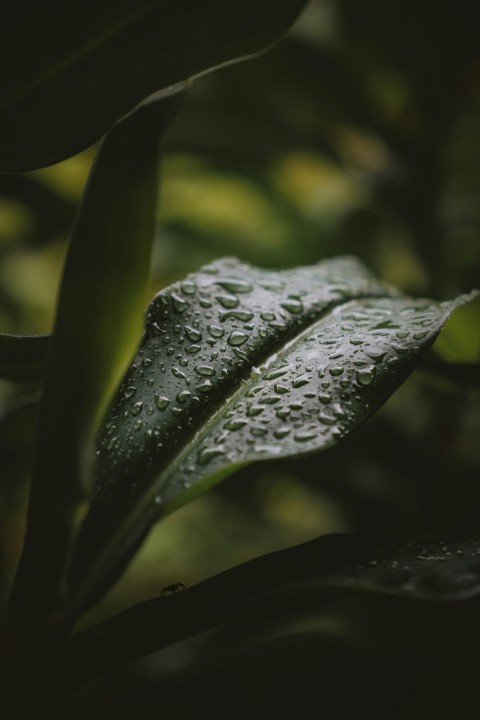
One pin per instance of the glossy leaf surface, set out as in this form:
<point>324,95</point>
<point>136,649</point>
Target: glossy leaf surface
<point>240,364</point>
<point>69,71</point>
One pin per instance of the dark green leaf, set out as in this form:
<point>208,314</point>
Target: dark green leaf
<point>70,71</point>
<point>240,364</point>
<point>23,358</point>
<point>430,570</point>
<point>104,281</point>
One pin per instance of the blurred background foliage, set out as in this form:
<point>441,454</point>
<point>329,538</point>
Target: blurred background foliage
<point>359,133</point>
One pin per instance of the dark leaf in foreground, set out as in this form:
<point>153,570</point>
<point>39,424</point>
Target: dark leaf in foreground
<point>75,69</point>
<point>425,570</point>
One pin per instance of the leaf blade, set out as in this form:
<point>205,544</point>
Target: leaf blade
<point>238,365</point>
<point>119,207</point>
<point>78,69</point>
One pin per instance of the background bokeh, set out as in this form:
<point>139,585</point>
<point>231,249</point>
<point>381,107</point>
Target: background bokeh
<point>358,134</point>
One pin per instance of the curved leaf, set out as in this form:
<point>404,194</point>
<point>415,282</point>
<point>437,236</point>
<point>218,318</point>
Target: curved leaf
<point>104,279</point>
<point>430,570</point>
<point>23,358</point>
<point>241,364</point>
<point>75,69</point>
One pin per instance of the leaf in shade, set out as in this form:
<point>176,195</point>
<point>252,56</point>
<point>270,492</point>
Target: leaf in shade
<point>301,578</point>
<point>23,358</point>
<point>104,279</point>
<point>240,364</point>
<point>76,68</point>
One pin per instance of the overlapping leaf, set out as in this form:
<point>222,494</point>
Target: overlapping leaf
<point>240,364</point>
<point>431,571</point>
<point>69,71</point>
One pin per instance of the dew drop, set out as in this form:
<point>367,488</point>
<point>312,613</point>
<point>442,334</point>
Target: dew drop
<point>237,337</point>
<point>235,424</point>
<point>183,396</point>
<point>216,331</point>
<point>228,301</point>
<point>282,432</point>
<point>336,371</point>
<point>179,304</point>
<point>235,285</point>
<point>137,408</point>
<point>305,436</point>
<point>293,306</point>
<point>301,380</point>
<point>188,287</point>
<point>205,387</point>
<point>192,349</point>
<point>161,402</point>
<point>205,370</point>
<point>254,410</point>
<point>192,334</point>
<point>366,376</point>
<point>243,315</point>
<point>207,454</point>
<point>130,391</point>
<point>281,389</point>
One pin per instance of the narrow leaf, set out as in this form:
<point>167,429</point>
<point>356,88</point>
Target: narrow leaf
<point>433,570</point>
<point>23,358</point>
<point>104,281</point>
<point>75,69</point>
<point>241,364</point>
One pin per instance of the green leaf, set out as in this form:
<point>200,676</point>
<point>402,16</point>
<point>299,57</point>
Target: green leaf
<point>104,281</point>
<point>71,71</point>
<point>23,358</point>
<point>426,570</point>
<point>241,364</point>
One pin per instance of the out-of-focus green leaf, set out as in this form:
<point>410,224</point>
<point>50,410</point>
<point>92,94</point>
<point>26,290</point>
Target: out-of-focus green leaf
<point>301,578</point>
<point>71,70</point>
<point>103,286</point>
<point>241,364</point>
<point>23,358</point>
<point>460,343</point>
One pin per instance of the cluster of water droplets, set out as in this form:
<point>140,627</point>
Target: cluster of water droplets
<point>239,363</point>
<point>434,568</point>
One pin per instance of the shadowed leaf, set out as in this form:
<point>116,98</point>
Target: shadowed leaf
<point>76,68</point>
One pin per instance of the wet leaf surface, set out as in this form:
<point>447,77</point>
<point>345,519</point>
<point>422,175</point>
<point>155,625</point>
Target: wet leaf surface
<point>239,364</point>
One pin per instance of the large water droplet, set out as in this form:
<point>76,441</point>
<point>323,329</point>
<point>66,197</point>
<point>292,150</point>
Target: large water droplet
<point>137,408</point>
<point>293,306</point>
<point>183,396</point>
<point>179,304</point>
<point>305,436</point>
<point>366,376</point>
<point>243,315</point>
<point>207,454</point>
<point>235,424</point>
<point>192,333</point>
<point>301,380</point>
<point>254,410</point>
<point>205,387</point>
<point>188,287</point>
<point>228,301</point>
<point>161,402</point>
<point>216,331</point>
<point>205,370</point>
<point>235,285</point>
<point>130,391</point>
<point>237,337</point>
